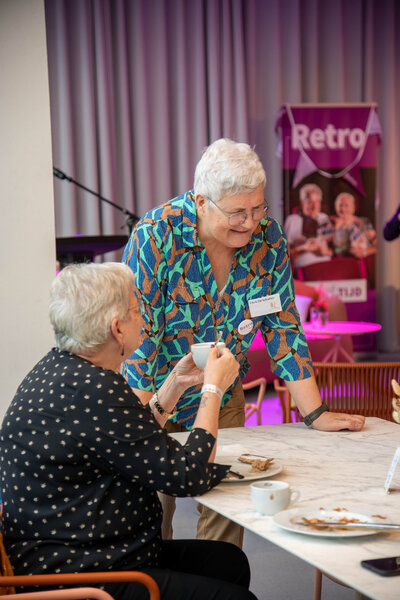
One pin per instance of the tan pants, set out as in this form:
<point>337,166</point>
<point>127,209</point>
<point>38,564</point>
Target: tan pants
<point>211,525</point>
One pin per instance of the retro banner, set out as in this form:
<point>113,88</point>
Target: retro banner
<point>329,159</point>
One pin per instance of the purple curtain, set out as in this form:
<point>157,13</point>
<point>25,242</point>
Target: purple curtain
<point>139,87</point>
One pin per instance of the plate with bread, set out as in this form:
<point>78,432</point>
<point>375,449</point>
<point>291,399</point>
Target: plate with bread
<point>247,467</point>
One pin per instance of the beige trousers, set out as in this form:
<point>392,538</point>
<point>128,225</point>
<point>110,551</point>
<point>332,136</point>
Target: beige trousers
<point>211,525</point>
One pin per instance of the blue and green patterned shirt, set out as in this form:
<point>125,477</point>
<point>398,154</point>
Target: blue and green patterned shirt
<point>177,284</point>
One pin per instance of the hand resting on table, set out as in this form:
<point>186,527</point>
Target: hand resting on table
<point>330,421</point>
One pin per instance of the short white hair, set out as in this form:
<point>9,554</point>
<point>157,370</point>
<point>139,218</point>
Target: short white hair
<point>308,189</point>
<point>228,167</point>
<point>345,195</point>
<point>84,299</point>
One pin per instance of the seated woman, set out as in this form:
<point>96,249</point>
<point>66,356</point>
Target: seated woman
<point>83,458</point>
<point>353,236</point>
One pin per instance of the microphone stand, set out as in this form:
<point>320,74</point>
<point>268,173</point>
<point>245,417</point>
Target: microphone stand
<point>131,220</point>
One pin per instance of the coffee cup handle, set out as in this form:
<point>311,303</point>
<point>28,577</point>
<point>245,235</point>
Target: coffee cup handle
<point>294,496</point>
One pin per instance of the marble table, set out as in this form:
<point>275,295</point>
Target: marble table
<point>337,329</point>
<point>341,469</point>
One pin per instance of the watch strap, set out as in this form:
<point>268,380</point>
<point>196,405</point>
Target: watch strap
<point>312,416</point>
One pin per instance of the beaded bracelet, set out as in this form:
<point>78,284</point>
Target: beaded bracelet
<point>160,409</point>
<point>213,389</point>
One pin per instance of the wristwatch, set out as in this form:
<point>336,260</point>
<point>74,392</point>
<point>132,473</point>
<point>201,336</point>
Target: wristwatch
<point>310,418</point>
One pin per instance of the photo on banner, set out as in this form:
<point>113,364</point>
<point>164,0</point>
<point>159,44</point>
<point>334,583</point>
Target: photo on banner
<point>329,160</point>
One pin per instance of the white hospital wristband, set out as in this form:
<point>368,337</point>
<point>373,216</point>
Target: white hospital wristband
<point>213,389</point>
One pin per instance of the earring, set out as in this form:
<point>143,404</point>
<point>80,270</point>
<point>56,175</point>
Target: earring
<point>122,350</point>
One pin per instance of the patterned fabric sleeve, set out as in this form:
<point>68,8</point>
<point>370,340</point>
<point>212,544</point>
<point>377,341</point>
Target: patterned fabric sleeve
<point>143,256</point>
<point>282,332</point>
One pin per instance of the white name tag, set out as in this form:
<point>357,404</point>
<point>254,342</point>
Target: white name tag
<point>265,305</point>
<point>392,469</point>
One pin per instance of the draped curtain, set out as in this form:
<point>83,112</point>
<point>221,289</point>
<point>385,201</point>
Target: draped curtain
<point>138,88</point>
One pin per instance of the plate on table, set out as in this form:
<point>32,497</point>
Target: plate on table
<point>289,520</point>
<point>244,469</point>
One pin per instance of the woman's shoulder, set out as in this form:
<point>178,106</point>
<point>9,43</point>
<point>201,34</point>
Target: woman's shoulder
<point>169,225</point>
<point>272,229</point>
<point>173,209</point>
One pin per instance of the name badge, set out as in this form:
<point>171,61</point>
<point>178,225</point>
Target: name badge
<point>245,326</point>
<point>265,305</point>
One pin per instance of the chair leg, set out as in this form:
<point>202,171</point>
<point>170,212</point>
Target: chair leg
<point>284,398</point>
<point>317,584</point>
<point>250,408</point>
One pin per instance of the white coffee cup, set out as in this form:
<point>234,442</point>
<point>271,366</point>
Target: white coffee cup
<point>271,496</point>
<point>200,352</point>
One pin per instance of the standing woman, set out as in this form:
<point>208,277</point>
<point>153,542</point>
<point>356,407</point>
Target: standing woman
<point>82,459</point>
<point>212,261</point>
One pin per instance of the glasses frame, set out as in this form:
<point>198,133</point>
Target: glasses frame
<point>140,305</point>
<point>244,214</point>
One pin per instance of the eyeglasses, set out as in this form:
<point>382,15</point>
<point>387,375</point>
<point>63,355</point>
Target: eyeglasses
<point>240,217</point>
<point>140,305</point>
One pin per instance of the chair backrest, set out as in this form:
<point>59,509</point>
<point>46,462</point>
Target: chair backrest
<point>358,388</point>
<point>9,581</point>
<point>84,593</point>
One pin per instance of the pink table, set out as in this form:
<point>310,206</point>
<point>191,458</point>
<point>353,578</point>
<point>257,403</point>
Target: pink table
<point>337,329</point>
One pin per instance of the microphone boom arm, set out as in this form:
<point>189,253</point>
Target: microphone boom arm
<point>131,217</point>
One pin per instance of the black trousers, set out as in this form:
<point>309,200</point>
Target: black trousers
<point>194,570</point>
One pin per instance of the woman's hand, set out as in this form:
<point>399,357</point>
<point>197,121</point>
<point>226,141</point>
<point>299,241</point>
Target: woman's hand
<point>330,421</point>
<point>307,398</point>
<point>221,368</point>
<point>186,372</point>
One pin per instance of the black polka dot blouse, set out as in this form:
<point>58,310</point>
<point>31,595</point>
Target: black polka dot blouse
<point>81,463</point>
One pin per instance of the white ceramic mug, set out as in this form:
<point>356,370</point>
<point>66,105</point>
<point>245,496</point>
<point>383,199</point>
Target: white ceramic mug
<point>271,496</point>
<point>200,352</point>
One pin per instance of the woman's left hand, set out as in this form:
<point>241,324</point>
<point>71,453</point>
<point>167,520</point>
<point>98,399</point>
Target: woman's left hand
<point>186,372</point>
<point>330,421</point>
<point>306,396</point>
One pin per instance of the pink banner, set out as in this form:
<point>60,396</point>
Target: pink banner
<point>329,158</point>
<point>333,140</point>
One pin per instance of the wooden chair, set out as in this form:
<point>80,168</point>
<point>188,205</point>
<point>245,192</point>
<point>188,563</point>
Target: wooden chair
<point>9,581</point>
<point>287,405</point>
<point>84,593</point>
<point>362,388</point>
<point>358,388</point>
<point>55,580</point>
<point>255,407</point>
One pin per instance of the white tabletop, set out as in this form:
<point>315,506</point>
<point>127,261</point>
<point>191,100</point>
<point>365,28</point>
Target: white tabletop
<point>342,469</point>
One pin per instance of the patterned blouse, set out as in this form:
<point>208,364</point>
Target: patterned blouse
<point>81,462</point>
<point>178,288</point>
